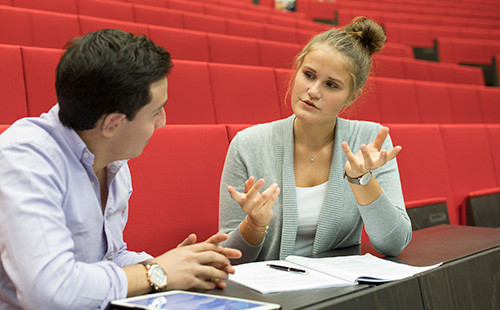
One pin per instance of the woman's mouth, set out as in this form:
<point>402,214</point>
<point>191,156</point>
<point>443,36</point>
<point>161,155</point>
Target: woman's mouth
<point>310,104</point>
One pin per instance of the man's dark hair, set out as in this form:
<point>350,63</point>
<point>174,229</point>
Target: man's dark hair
<point>107,71</point>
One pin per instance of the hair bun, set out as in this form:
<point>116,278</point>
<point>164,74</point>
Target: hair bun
<point>368,33</point>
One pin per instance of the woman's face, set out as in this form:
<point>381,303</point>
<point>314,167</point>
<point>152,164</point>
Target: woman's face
<point>322,86</point>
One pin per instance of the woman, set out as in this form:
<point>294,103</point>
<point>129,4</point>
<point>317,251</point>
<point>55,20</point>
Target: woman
<point>327,192</point>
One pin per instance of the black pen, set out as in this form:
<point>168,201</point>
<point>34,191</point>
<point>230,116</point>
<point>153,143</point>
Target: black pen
<point>288,269</point>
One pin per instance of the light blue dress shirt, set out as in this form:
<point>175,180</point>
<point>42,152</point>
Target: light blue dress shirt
<point>58,249</point>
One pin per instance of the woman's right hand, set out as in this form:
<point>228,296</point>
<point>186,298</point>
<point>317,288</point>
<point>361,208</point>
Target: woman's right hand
<point>259,207</point>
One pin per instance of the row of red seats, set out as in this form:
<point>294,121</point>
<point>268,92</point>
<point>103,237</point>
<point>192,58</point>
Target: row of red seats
<point>420,9</point>
<point>346,15</point>
<point>256,93</point>
<point>463,4</point>
<point>425,35</point>
<point>276,28</point>
<point>436,165</point>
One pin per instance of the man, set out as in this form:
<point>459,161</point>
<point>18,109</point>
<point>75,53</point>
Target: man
<point>65,185</point>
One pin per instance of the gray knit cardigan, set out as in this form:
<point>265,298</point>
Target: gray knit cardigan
<point>266,151</point>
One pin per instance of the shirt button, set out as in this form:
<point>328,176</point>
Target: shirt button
<point>86,155</point>
<point>93,183</point>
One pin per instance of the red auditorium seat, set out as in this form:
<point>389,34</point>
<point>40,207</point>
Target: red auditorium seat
<point>106,9</point>
<point>444,72</point>
<point>202,22</point>
<point>184,197</point>
<point>155,3</point>
<point>185,106</point>
<point>465,106</point>
<point>417,69</point>
<point>283,77</point>
<point>62,6</point>
<point>422,167</point>
<point>490,105</point>
<point>244,94</point>
<point>391,67</point>
<point>245,29</point>
<point>433,101</point>
<point>281,33</point>
<point>40,74</point>
<point>89,24</point>
<point>158,16</point>
<point>277,54</point>
<point>233,50</point>
<point>186,6</point>
<point>470,164</point>
<point>468,75</point>
<point>232,130</point>
<point>16,26</point>
<point>12,89</point>
<point>397,100</point>
<point>221,11</point>
<point>53,29</point>
<point>181,43</point>
<point>494,138</point>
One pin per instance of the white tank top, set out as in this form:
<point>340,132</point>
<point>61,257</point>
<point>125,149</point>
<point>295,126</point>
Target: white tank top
<point>309,201</point>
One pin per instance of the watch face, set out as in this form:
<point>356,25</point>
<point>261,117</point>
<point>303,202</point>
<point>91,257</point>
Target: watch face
<point>365,179</point>
<point>158,276</point>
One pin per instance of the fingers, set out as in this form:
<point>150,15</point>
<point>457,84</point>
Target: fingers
<point>235,195</point>
<point>381,136</point>
<point>217,238</point>
<point>191,239</point>
<point>249,183</point>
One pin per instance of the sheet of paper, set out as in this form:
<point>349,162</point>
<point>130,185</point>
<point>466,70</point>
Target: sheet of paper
<point>259,277</point>
<point>360,267</point>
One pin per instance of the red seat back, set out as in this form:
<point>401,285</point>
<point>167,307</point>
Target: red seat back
<point>12,88</point>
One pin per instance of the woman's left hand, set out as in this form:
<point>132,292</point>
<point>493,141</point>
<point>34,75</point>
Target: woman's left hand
<point>369,157</point>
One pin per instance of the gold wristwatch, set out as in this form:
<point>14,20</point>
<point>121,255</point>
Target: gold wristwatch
<point>156,275</point>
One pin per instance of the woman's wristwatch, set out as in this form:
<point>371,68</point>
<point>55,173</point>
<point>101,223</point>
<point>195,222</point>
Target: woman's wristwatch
<point>362,180</point>
<point>156,275</point>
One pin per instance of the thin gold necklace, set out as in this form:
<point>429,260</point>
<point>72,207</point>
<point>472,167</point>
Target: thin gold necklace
<point>313,158</point>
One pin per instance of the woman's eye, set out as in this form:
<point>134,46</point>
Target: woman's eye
<point>332,85</point>
<point>308,75</point>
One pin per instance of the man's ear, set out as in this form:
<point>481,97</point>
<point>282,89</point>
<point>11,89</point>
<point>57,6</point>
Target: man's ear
<point>111,124</point>
<point>354,97</point>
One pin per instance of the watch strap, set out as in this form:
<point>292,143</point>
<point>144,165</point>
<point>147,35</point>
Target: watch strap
<point>357,180</point>
<point>149,265</point>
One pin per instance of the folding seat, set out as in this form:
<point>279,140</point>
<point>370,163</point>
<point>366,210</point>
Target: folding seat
<point>424,174</point>
<point>397,100</point>
<point>322,10</point>
<point>181,43</point>
<point>244,94</point>
<point>5,2</point>
<point>53,29</point>
<point>16,26</point>
<point>470,165</point>
<point>220,11</point>
<point>468,75</point>
<point>489,98</point>
<point>89,24</point>
<point>190,99</point>
<point>12,88</point>
<point>40,75</point>
<point>304,36</point>
<point>277,54</point>
<point>256,17</point>
<point>158,16</point>
<point>185,6</point>
<point>394,49</point>
<point>106,9</point>
<point>280,33</point>
<point>464,101</point>
<point>433,102</point>
<point>62,6</point>
<point>416,69</point>
<point>442,72</point>
<point>283,77</point>
<point>176,187</point>
<point>202,22</point>
<point>284,21</point>
<point>244,28</point>
<point>388,66</point>
<point>233,50</point>
<point>233,129</point>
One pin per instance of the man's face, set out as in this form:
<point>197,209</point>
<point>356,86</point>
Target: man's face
<point>135,134</point>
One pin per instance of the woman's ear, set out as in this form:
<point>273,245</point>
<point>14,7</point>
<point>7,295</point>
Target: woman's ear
<point>111,124</point>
